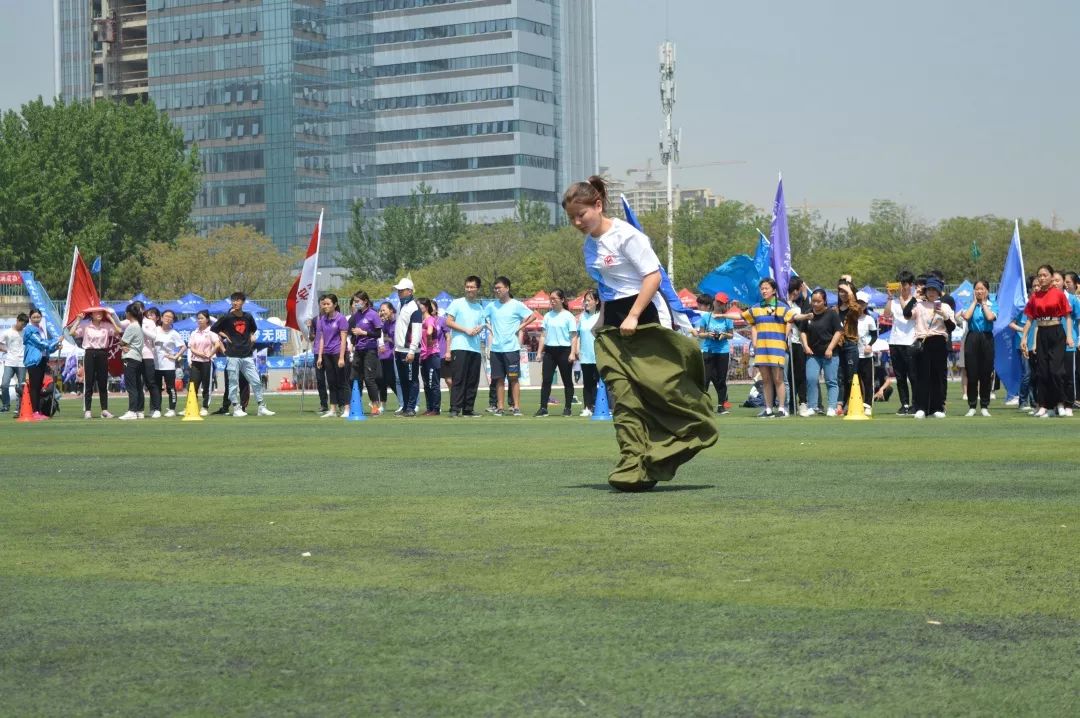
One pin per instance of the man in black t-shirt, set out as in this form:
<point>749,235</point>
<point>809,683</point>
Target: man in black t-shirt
<point>237,331</point>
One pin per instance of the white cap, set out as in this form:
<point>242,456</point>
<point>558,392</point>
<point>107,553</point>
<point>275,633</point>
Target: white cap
<point>405,283</point>
<point>863,297</point>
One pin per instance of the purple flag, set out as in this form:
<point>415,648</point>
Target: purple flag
<point>781,247</point>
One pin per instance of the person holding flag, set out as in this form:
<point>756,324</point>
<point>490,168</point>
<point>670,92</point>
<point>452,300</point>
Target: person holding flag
<point>97,338</point>
<point>655,376</point>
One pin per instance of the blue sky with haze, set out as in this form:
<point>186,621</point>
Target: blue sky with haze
<point>952,107</point>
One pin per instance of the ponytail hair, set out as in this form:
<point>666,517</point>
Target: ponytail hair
<point>589,193</point>
<point>426,304</point>
<point>134,310</point>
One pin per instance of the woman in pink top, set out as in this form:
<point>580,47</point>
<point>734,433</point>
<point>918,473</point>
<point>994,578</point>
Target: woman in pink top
<point>203,344</point>
<point>97,336</point>
<point>430,357</point>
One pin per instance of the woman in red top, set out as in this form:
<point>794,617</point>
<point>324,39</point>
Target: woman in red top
<point>1045,308</point>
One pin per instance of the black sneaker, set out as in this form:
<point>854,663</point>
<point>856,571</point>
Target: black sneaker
<point>222,411</point>
<point>498,412</point>
<point>408,414</point>
<point>470,414</point>
<point>766,414</point>
<point>540,412</point>
<point>454,414</point>
<point>566,412</point>
<point>722,411</point>
<point>492,409</point>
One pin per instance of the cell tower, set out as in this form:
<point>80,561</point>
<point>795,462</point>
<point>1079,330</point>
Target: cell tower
<point>669,139</point>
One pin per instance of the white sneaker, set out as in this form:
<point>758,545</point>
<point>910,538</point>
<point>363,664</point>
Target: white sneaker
<point>170,414</point>
<point>106,415</point>
<point>263,411</point>
<point>1041,414</point>
<point>993,396</point>
<point>585,412</point>
<point>400,410</point>
<point>939,414</point>
<point>140,415</point>
<point>830,412</point>
<point>156,415</point>
<point>805,411</point>
<point>1015,401</point>
<point>1061,410</point>
<point>239,411</point>
<point>971,412</point>
<point>203,412</point>
<point>87,415</point>
<point>802,406</point>
<point>128,416</point>
<point>985,412</point>
<point>330,414</point>
<point>920,414</point>
<point>868,410</point>
<point>1068,411</point>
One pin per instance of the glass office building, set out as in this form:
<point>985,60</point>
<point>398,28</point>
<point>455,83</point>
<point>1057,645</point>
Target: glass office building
<point>297,105</point>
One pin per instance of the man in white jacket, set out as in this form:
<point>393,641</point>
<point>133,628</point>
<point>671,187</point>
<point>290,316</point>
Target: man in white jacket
<point>407,347</point>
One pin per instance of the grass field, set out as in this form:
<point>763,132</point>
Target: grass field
<point>482,567</point>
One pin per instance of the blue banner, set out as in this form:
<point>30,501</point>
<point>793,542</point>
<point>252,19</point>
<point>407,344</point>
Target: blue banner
<point>40,300</point>
<point>781,247</point>
<point>1011,299</point>
<point>737,277</point>
<point>763,256</point>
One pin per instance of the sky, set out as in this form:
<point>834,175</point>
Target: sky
<point>953,108</point>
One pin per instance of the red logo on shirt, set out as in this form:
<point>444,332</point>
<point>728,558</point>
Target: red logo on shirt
<point>609,259</point>
<point>240,326</point>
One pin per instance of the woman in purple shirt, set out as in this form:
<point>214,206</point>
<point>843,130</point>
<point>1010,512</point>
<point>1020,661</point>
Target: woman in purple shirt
<point>365,328</point>
<point>388,376</point>
<point>331,328</point>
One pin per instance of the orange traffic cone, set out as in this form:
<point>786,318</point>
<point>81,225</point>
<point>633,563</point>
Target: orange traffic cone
<point>855,410</point>
<point>26,412</point>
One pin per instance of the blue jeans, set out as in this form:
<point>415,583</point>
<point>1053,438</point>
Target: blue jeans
<point>245,366</point>
<point>19,373</point>
<point>1027,386</point>
<point>814,366</point>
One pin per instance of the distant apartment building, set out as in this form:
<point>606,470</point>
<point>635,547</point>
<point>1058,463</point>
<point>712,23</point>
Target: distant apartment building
<point>300,105</point>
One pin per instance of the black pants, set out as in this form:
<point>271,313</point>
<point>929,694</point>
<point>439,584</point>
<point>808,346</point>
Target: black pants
<point>150,384</point>
<point>466,367</point>
<point>337,380</point>
<point>590,377</point>
<point>1050,366</point>
<point>35,377</point>
<point>365,369</point>
<point>716,370</point>
<point>409,376</point>
<point>166,377</point>
<point>903,362</point>
<point>320,385</point>
<point>798,365</point>
<point>932,364</point>
<point>96,374</point>
<point>557,357</point>
<point>200,376</point>
<point>866,379</point>
<point>847,369</point>
<point>1069,377</point>
<point>134,374</point>
<point>431,372</point>
<point>387,379</point>
<point>979,362</point>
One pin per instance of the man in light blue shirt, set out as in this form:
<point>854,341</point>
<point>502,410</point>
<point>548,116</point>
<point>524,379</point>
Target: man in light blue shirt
<point>506,318</point>
<point>466,318</point>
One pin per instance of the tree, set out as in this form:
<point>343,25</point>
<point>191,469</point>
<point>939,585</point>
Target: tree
<point>532,217</point>
<point>405,237</point>
<point>109,177</point>
<point>229,259</point>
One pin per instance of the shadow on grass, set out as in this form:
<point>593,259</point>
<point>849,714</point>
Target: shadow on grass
<point>659,488</point>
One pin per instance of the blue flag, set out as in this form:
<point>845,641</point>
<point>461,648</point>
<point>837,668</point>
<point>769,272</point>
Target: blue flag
<point>737,277</point>
<point>763,256</point>
<point>683,316</point>
<point>96,267</point>
<point>1011,299</point>
<point>781,247</point>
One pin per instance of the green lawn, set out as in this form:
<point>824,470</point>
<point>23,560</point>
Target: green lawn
<point>482,567</point>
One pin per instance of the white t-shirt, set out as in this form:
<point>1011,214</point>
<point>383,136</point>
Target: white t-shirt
<point>903,330</point>
<point>165,343</point>
<point>866,325</point>
<point>12,339</point>
<point>624,256</point>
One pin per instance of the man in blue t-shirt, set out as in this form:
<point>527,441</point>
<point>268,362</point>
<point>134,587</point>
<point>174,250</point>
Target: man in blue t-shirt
<point>506,318</point>
<point>466,318</point>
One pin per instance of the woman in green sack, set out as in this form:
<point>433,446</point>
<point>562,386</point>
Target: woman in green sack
<point>655,376</point>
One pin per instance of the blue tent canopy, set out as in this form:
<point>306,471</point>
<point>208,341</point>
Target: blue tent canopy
<point>877,298</point>
<point>443,299</point>
<point>225,305</point>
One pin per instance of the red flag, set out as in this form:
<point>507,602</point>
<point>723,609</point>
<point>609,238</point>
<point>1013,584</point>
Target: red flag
<point>81,290</point>
<point>301,302</point>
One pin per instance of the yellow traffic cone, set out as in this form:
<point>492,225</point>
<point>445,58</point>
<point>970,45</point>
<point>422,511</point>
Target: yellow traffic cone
<point>191,404</point>
<point>855,411</point>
